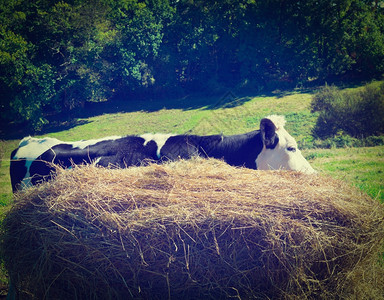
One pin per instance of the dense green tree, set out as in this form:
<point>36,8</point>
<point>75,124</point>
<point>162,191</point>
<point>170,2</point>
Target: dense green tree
<point>55,55</point>
<point>139,35</point>
<point>26,81</point>
<point>358,113</point>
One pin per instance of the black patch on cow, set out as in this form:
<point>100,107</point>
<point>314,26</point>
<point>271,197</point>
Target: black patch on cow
<point>181,146</point>
<point>236,150</point>
<point>124,152</point>
<point>275,142</point>
<point>242,150</point>
<point>40,171</point>
<point>121,152</point>
<point>268,133</point>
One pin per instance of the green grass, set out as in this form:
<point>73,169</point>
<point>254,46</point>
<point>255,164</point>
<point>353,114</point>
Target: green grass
<point>362,167</point>
<point>6,148</point>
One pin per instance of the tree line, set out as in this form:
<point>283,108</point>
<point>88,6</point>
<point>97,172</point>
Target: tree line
<point>57,55</point>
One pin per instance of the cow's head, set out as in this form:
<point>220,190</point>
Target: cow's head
<point>280,148</point>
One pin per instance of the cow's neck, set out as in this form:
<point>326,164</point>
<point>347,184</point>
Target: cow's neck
<point>239,150</point>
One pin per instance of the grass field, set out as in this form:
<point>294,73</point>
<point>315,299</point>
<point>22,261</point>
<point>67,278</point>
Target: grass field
<point>361,167</point>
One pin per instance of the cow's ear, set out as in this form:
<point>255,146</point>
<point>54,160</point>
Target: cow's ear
<point>268,132</point>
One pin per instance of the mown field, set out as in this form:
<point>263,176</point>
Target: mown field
<point>361,167</point>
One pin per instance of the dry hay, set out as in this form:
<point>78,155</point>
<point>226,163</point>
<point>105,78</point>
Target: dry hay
<point>196,229</point>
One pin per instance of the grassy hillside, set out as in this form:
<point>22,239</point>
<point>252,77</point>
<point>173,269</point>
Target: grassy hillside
<point>362,167</point>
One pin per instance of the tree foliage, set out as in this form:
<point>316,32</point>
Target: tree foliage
<point>56,55</point>
<point>358,114</point>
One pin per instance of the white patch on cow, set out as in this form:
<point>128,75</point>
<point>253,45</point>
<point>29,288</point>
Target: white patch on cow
<point>32,148</point>
<point>85,143</point>
<point>158,138</point>
<point>29,149</point>
<point>286,155</point>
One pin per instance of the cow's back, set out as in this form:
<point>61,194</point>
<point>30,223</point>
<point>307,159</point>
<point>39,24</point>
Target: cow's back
<point>33,161</point>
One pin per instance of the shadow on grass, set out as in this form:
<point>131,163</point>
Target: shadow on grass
<point>129,103</point>
<point>18,131</point>
<point>70,119</point>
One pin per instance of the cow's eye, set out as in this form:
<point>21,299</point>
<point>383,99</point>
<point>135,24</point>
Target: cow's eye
<point>291,149</point>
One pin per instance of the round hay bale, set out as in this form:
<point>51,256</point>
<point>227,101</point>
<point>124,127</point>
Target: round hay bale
<point>196,229</point>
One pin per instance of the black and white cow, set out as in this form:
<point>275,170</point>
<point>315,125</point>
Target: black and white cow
<point>271,147</point>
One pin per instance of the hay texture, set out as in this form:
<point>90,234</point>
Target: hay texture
<point>196,229</point>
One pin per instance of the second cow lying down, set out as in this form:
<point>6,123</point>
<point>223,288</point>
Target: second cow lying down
<point>271,147</point>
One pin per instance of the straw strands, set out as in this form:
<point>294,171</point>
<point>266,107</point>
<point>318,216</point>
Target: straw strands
<point>196,229</point>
